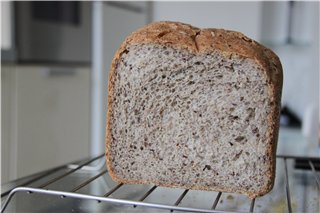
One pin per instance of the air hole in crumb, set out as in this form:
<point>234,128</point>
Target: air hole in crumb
<point>255,130</point>
<point>241,98</point>
<point>235,117</point>
<point>231,144</point>
<point>208,167</point>
<point>239,138</point>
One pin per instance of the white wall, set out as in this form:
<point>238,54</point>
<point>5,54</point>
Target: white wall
<point>6,25</point>
<point>301,68</point>
<point>240,16</point>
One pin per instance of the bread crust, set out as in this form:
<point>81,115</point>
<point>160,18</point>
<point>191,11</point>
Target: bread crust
<point>202,41</point>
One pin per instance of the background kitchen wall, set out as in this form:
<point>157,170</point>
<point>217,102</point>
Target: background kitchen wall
<point>53,107</point>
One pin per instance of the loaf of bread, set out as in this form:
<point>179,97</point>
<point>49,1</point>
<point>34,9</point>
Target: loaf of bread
<point>193,108</point>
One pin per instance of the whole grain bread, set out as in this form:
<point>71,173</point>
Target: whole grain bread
<point>193,108</point>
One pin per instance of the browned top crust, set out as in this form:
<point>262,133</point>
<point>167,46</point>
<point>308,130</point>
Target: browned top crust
<point>198,41</point>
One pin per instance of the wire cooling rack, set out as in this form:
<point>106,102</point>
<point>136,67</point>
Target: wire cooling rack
<point>298,166</point>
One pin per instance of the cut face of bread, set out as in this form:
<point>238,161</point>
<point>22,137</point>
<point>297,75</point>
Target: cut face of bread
<point>198,120</point>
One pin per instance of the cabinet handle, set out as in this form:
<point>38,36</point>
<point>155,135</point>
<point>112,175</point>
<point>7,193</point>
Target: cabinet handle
<point>59,72</point>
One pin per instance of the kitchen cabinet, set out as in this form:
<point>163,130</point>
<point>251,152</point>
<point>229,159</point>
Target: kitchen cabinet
<point>112,23</point>
<point>45,120</point>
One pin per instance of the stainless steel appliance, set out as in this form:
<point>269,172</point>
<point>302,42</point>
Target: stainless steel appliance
<point>53,31</point>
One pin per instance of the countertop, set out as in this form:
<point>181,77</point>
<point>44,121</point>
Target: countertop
<point>305,194</point>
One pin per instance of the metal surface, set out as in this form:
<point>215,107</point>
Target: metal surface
<point>113,190</point>
<point>180,198</point>
<point>252,205</point>
<point>89,181</point>
<point>73,170</point>
<point>287,186</point>
<point>142,201</point>
<point>216,201</point>
<point>316,176</point>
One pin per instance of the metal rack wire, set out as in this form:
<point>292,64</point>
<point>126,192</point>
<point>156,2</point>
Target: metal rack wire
<point>74,192</point>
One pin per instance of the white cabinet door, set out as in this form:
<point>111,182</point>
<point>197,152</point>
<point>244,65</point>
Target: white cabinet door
<point>7,123</point>
<point>50,117</point>
<point>113,21</point>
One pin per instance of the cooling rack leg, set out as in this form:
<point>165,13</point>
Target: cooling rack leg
<point>252,204</point>
<point>216,201</point>
<point>45,174</point>
<point>180,198</point>
<point>146,195</point>
<point>287,186</point>
<point>10,196</point>
<point>113,190</point>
